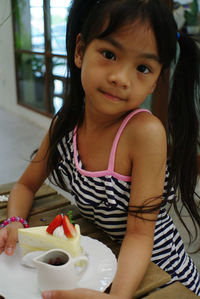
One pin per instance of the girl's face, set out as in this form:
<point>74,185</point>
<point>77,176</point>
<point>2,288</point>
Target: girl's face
<point>119,71</point>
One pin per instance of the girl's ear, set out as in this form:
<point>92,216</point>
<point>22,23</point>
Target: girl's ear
<point>79,51</point>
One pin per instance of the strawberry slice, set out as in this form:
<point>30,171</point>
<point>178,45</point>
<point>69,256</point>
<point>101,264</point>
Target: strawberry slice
<point>57,221</point>
<point>68,227</point>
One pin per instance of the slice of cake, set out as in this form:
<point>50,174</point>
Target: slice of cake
<point>59,234</point>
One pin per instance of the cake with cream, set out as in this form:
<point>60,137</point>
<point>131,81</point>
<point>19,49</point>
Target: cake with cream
<point>60,233</point>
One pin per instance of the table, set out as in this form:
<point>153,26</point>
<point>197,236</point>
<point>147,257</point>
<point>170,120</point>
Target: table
<point>48,203</point>
<point>173,291</point>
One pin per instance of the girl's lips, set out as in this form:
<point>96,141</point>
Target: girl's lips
<point>112,97</point>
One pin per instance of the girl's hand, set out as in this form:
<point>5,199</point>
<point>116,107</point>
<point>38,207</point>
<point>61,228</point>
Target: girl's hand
<point>9,237</point>
<point>77,294</point>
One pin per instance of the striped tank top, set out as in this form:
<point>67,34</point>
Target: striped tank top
<point>103,198</point>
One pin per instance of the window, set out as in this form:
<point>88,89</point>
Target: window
<point>186,13</point>
<point>40,53</point>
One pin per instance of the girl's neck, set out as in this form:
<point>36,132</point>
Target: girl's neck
<point>94,121</point>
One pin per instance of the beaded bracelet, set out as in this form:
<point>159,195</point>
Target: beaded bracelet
<point>14,219</point>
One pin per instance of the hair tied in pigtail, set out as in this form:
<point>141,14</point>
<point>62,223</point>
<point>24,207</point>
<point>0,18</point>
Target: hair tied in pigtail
<point>178,35</point>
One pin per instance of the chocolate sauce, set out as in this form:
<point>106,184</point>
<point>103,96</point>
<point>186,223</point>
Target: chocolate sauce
<point>55,262</point>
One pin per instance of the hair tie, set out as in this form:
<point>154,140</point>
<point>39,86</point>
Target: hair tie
<point>178,35</point>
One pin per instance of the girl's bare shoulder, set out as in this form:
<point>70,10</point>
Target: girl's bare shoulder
<point>145,133</point>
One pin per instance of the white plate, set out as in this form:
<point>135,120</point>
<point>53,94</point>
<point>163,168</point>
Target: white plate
<point>18,281</point>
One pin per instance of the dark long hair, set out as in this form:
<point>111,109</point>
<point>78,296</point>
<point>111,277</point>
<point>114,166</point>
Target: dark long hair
<point>89,17</point>
<point>183,126</point>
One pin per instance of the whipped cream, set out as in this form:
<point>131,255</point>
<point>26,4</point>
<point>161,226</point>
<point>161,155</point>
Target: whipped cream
<point>59,232</point>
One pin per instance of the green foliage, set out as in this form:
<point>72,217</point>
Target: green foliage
<point>70,216</point>
<point>191,16</point>
<point>22,37</point>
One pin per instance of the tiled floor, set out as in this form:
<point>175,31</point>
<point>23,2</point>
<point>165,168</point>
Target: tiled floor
<point>18,138</point>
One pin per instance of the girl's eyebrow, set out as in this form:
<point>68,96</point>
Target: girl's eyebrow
<point>119,46</point>
<point>113,42</point>
<point>150,56</point>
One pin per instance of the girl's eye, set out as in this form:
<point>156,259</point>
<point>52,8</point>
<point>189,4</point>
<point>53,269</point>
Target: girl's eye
<point>109,55</point>
<point>143,69</point>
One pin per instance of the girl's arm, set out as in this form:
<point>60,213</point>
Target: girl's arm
<point>148,156</point>
<point>22,196</point>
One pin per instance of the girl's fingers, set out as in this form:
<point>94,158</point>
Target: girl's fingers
<point>9,237</point>
<point>3,236</point>
<point>1,250</point>
<point>55,295</point>
<point>10,248</point>
<point>75,294</point>
<point>10,242</point>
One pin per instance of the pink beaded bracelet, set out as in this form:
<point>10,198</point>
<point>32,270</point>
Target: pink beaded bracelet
<point>14,219</point>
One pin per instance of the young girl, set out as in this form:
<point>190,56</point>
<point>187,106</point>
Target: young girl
<point>110,153</point>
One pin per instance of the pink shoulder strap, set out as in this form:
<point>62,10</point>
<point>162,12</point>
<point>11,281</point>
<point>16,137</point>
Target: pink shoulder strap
<point>119,132</point>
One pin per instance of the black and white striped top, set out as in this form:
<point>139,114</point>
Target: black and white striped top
<point>103,198</point>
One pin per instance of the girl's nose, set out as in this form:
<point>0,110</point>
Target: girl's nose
<point>120,77</point>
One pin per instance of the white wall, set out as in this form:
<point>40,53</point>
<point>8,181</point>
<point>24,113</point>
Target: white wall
<point>8,96</point>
